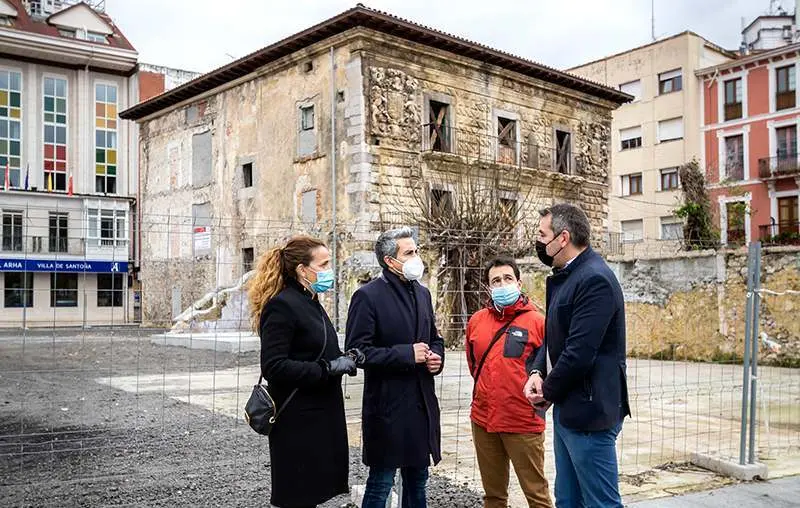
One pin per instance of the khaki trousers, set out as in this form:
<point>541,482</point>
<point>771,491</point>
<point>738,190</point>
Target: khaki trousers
<point>526,453</point>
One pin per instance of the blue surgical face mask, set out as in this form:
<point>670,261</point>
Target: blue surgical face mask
<point>324,281</point>
<point>503,296</point>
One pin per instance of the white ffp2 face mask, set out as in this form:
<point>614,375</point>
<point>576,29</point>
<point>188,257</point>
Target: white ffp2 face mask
<point>413,268</point>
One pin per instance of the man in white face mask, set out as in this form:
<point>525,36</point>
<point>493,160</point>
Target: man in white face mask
<point>391,321</point>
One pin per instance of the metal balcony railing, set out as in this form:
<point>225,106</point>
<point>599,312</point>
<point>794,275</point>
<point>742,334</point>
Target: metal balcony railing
<point>779,166</point>
<point>780,233</point>
<point>483,147</point>
<point>33,245</point>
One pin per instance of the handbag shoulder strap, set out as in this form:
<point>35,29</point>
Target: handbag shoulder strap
<point>319,357</point>
<point>496,338</point>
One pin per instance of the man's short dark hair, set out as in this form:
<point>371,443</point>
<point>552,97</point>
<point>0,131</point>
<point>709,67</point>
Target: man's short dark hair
<point>566,217</point>
<point>501,261</point>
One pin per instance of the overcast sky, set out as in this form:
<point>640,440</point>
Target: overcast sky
<point>201,35</point>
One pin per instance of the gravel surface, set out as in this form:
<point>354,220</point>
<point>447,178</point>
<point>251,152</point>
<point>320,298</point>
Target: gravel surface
<point>66,440</point>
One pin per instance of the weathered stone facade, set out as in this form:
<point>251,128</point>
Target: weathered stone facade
<point>691,306</point>
<point>378,91</point>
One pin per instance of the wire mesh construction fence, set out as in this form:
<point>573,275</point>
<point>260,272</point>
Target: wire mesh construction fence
<point>100,406</point>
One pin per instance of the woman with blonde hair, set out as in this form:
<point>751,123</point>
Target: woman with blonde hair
<point>303,365</point>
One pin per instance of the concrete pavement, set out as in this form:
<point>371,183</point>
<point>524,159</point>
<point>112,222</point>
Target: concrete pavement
<point>784,492</point>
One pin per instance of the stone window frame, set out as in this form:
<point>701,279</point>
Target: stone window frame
<point>299,207</point>
<point>300,105</point>
<point>193,178</point>
<point>441,187</point>
<point>723,201</point>
<point>427,97</point>
<point>498,113</point>
<point>248,247</point>
<point>556,127</point>
<point>516,197</point>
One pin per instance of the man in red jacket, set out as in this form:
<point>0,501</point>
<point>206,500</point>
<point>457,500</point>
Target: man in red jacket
<point>501,339</point>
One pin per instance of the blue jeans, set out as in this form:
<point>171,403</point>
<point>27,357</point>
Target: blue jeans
<point>586,467</point>
<point>380,482</point>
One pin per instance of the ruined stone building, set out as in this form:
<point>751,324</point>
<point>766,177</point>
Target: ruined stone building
<point>339,127</point>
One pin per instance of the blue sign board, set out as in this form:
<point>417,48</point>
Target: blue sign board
<point>64,266</point>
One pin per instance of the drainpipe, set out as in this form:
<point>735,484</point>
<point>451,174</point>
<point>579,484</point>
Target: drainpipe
<point>333,195</point>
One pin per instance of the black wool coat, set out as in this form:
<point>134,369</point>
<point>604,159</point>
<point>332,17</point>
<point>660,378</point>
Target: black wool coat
<point>309,452</point>
<point>400,411</point>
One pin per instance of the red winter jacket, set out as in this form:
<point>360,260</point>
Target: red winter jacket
<point>498,404</point>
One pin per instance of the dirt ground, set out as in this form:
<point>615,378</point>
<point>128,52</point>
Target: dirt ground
<point>68,440</point>
<point>111,419</point>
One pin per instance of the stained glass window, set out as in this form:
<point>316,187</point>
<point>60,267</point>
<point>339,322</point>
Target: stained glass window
<point>55,133</point>
<point>10,127</point>
<point>105,139</point>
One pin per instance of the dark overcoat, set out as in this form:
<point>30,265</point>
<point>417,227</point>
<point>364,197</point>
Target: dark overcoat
<point>309,453</point>
<point>400,411</point>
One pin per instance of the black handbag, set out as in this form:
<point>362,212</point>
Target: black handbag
<point>260,411</point>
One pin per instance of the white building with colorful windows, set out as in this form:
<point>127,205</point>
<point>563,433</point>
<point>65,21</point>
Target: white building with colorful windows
<point>68,178</point>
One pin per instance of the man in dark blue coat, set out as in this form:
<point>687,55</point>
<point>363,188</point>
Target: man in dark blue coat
<point>581,368</point>
<point>391,321</point>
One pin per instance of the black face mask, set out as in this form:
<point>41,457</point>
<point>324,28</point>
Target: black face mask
<point>541,251</point>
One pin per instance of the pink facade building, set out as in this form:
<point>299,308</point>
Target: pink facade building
<point>751,118</point>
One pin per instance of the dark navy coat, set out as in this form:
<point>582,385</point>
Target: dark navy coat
<point>585,335</point>
<point>400,411</point>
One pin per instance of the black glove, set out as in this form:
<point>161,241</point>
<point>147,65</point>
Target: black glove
<point>341,366</point>
<point>357,356</point>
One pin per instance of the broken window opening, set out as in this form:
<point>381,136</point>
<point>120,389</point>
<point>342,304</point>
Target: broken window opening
<point>508,212</point>
<point>247,174</point>
<point>506,141</point>
<point>563,156</point>
<point>439,127</point>
<point>441,203</point>
<point>248,257</point>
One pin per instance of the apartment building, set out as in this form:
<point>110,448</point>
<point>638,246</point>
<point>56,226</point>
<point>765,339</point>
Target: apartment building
<point>751,112</point>
<point>68,165</point>
<point>656,133</point>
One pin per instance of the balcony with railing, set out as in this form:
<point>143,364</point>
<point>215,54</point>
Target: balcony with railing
<point>780,233</point>
<point>779,166</point>
<point>472,146</point>
<point>16,245</point>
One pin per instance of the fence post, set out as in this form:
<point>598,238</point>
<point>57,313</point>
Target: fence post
<point>756,301</point>
<point>398,486</point>
<point>748,323</point>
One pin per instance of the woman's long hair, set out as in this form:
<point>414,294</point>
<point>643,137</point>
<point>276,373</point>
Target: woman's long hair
<point>274,268</point>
